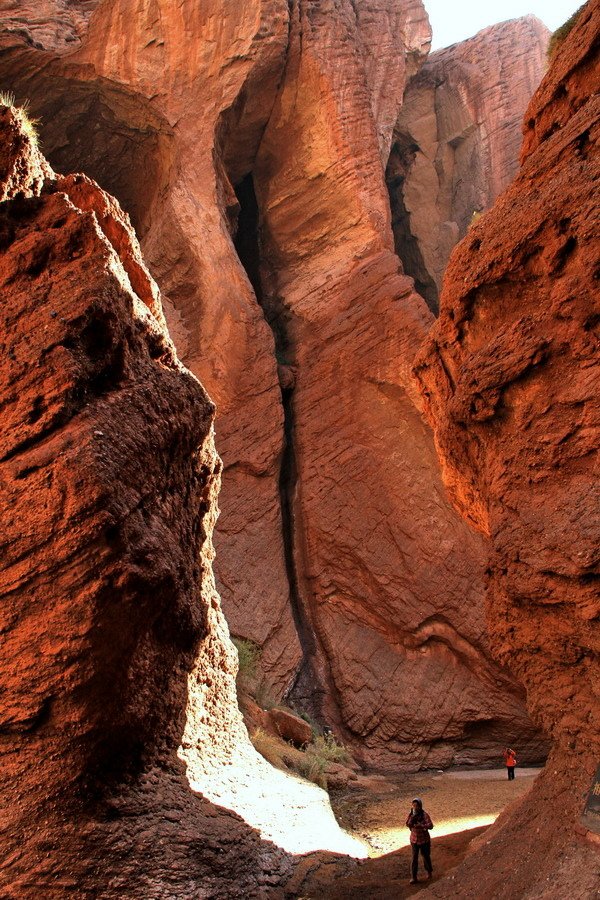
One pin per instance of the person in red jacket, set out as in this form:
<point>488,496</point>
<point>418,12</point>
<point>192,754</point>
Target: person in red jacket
<point>419,823</point>
<point>510,761</point>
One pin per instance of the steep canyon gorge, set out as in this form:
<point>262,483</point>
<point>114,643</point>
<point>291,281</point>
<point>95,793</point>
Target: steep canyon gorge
<point>251,144</point>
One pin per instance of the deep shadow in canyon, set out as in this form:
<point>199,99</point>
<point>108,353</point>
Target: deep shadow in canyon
<point>342,556</point>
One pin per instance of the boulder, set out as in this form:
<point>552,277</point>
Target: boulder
<point>290,727</point>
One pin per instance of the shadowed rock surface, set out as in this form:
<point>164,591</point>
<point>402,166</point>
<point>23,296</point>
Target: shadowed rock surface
<point>457,141</point>
<point>261,130</point>
<point>510,377</point>
<point>116,664</point>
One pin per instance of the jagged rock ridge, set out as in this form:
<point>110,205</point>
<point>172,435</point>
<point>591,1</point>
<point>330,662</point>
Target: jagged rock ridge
<point>457,141</point>
<point>510,376</point>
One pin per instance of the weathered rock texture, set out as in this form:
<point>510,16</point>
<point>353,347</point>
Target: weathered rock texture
<point>457,141</point>
<point>387,583</point>
<point>510,376</point>
<point>103,113</point>
<point>114,648</point>
<point>106,513</point>
<point>261,129</point>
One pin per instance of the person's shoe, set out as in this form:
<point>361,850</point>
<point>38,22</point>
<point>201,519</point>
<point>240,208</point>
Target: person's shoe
<point>414,881</point>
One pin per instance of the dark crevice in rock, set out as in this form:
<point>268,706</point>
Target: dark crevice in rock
<point>401,158</point>
<point>305,691</point>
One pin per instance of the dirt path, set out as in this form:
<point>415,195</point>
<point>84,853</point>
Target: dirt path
<point>461,804</point>
<point>456,801</point>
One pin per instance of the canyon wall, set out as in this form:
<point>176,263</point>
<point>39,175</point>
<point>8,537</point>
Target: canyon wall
<point>123,751</point>
<point>457,141</point>
<point>109,483</point>
<point>510,377</point>
<point>248,143</point>
<point>388,584</point>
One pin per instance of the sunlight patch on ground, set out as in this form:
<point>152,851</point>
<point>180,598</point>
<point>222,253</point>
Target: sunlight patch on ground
<point>222,764</point>
<point>400,837</point>
<point>293,813</point>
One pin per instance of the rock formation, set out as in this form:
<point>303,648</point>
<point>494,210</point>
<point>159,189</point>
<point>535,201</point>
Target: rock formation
<point>387,583</point>
<point>114,649</point>
<point>457,141</point>
<point>510,376</point>
<point>337,551</point>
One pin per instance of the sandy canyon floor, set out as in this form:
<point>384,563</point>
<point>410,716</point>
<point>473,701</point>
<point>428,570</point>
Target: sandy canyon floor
<point>461,803</point>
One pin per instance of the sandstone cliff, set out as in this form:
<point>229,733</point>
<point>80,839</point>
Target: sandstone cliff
<point>247,140</point>
<point>387,583</point>
<point>457,141</point>
<point>510,375</point>
<point>115,657</point>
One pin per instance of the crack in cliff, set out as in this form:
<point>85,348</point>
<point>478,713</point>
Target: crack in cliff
<point>406,245</point>
<point>306,687</point>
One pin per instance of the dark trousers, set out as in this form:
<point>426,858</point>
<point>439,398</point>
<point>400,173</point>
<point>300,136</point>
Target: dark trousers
<point>426,853</point>
<point>511,772</point>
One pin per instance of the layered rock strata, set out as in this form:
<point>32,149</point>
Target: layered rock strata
<point>510,377</point>
<point>388,583</point>
<point>119,102</point>
<point>457,141</point>
<point>261,129</point>
<point>114,648</point>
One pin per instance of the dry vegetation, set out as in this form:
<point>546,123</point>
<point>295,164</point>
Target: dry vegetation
<point>28,123</point>
<point>311,762</point>
<point>558,37</point>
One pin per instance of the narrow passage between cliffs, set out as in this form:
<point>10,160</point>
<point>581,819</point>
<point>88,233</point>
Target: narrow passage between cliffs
<point>306,689</point>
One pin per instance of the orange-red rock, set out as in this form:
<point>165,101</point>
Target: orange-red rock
<point>457,141</point>
<point>388,584</point>
<point>118,713</point>
<point>290,727</point>
<point>101,113</point>
<point>109,482</point>
<point>510,375</point>
<point>337,551</point>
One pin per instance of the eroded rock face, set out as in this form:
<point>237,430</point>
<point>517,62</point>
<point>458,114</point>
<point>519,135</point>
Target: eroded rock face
<point>510,376</point>
<point>260,129</point>
<point>388,584</point>
<point>457,141</point>
<point>119,722</point>
<point>109,481</point>
<point>212,104</point>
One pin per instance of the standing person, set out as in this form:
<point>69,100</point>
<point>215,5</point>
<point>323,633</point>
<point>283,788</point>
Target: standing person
<point>510,761</point>
<point>419,823</point>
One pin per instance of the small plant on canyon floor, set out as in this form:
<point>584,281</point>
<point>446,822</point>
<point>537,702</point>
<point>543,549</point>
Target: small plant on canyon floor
<point>28,124</point>
<point>326,747</point>
<point>312,767</point>
<point>248,658</point>
<point>269,746</point>
<point>310,763</point>
<point>321,752</point>
<point>558,37</point>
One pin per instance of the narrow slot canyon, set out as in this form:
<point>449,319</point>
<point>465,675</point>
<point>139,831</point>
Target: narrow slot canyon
<point>298,429</point>
<point>304,691</point>
<point>406,245</point>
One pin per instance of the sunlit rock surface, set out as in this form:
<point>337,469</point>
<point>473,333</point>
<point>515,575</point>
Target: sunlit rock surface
<point>257,133</point>
<point>114,648</point>
<point>457,141</point>
<point>510,378</point>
